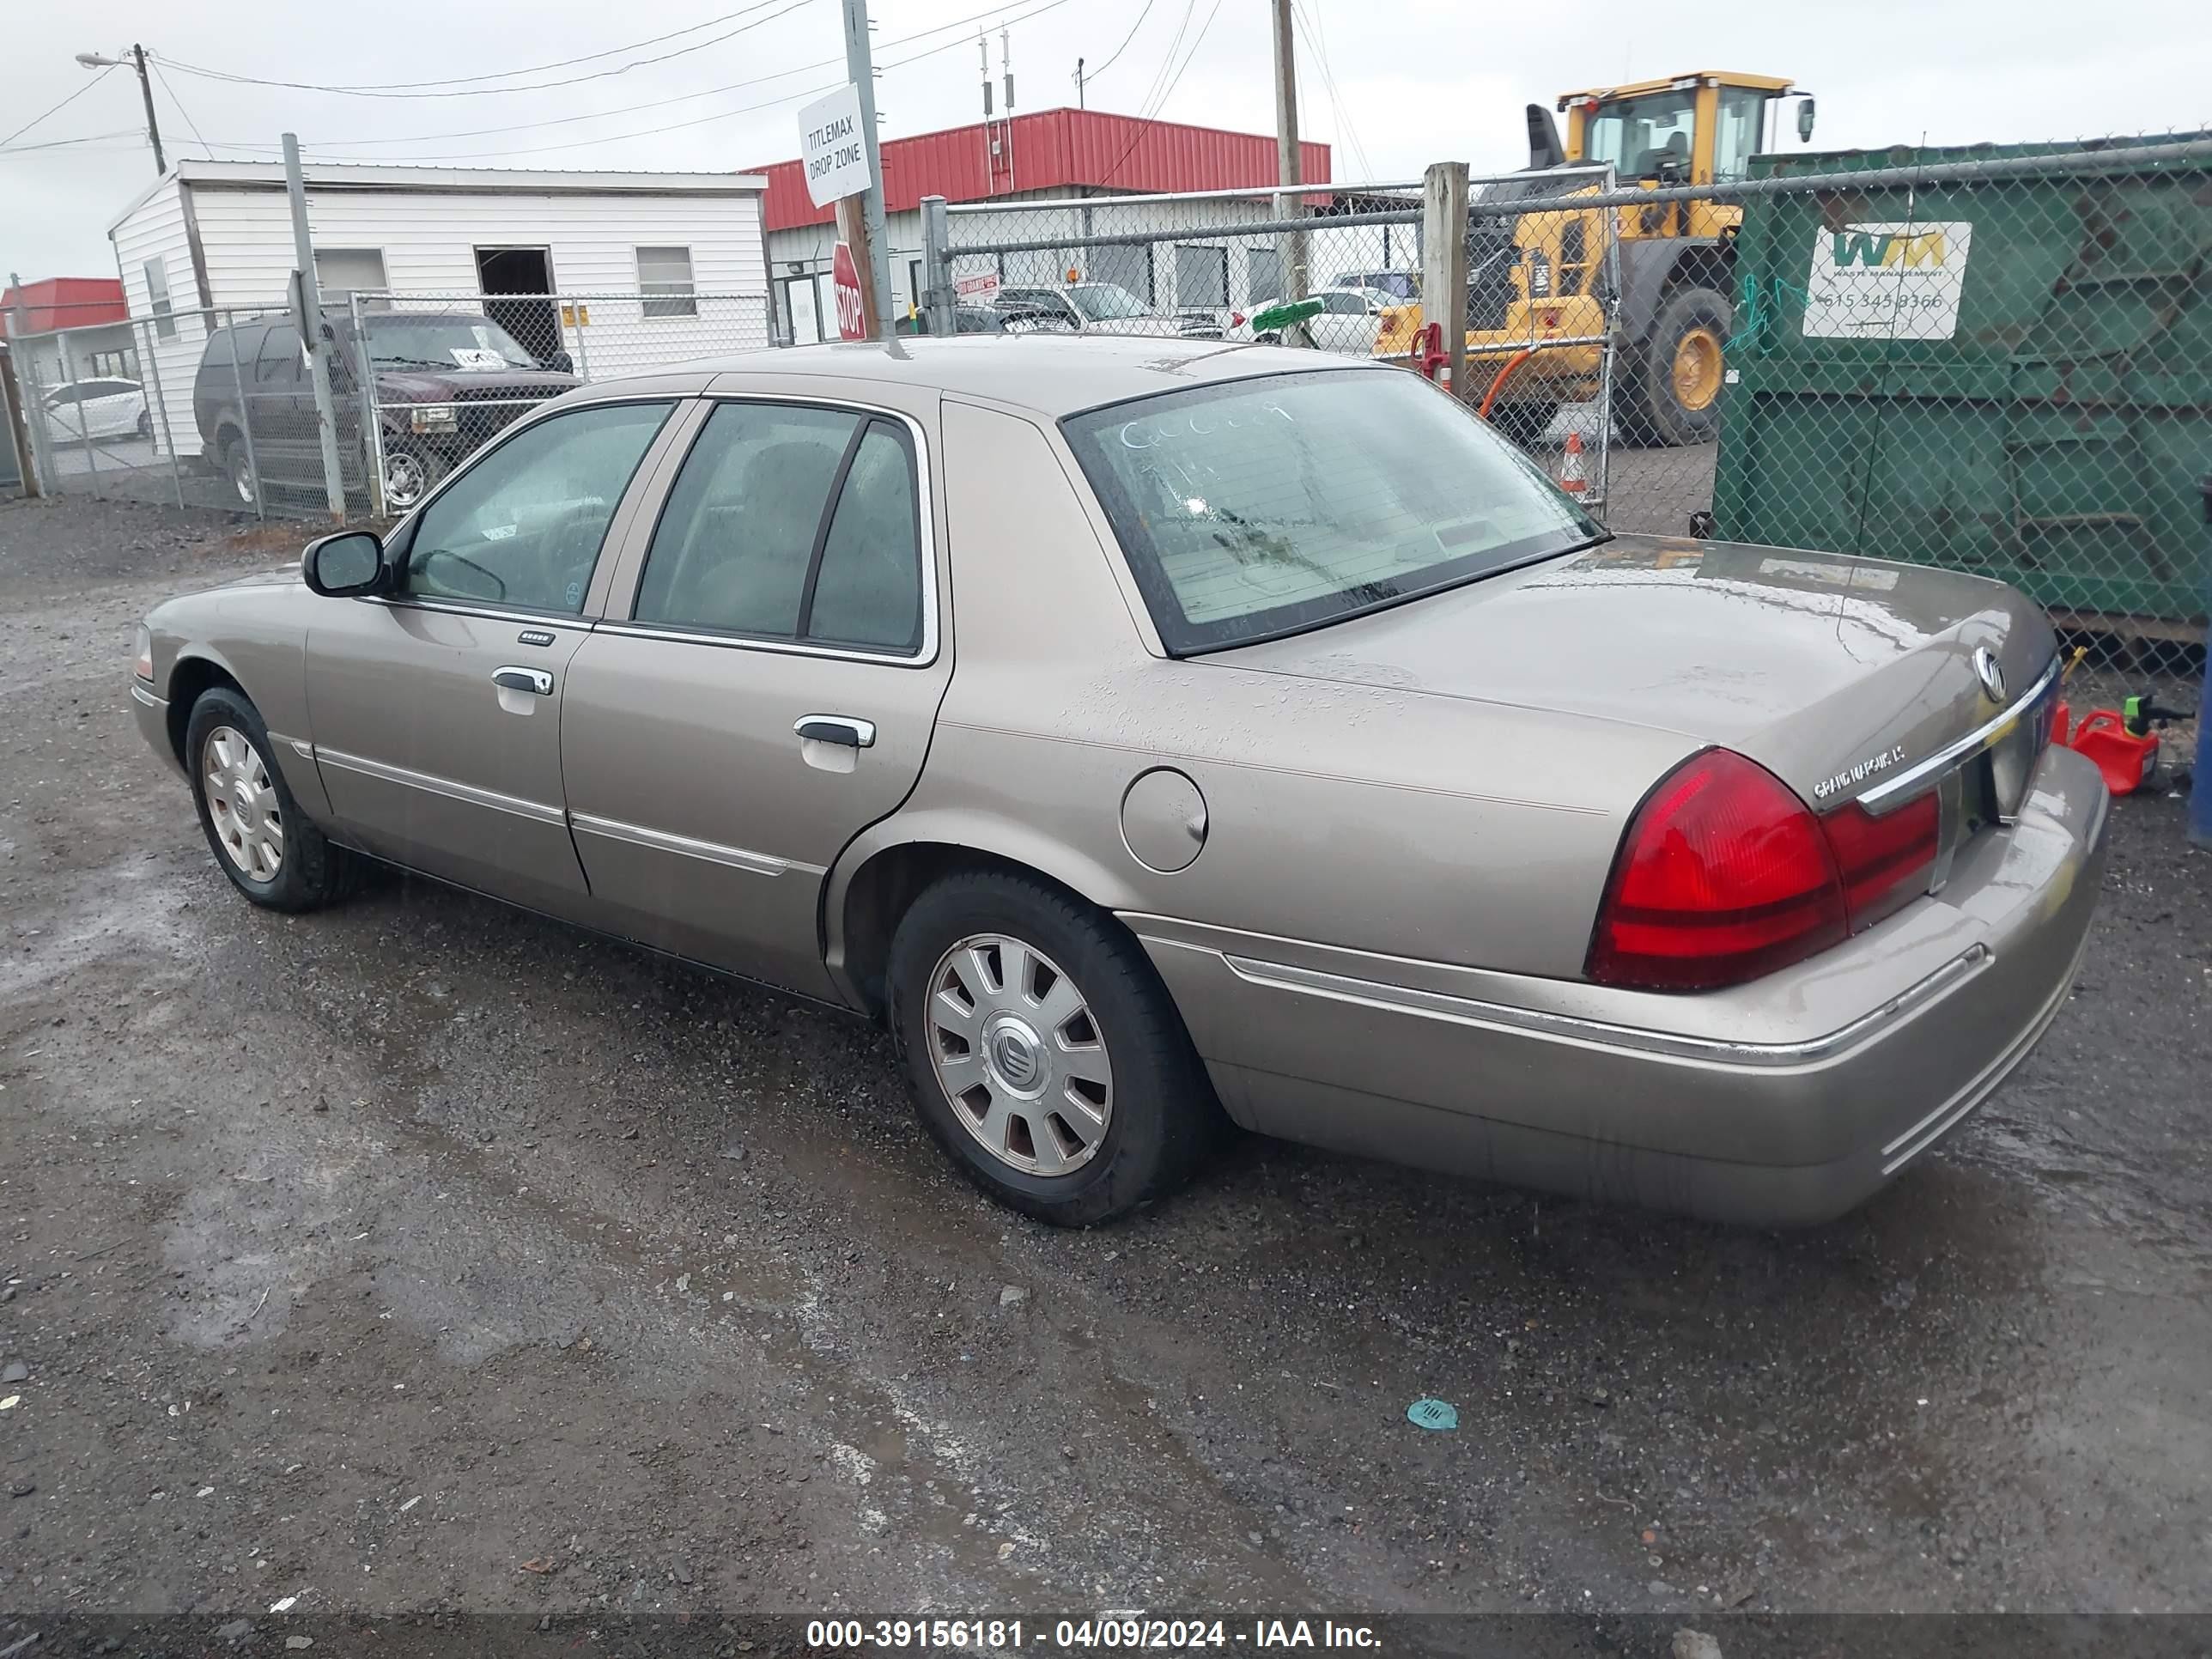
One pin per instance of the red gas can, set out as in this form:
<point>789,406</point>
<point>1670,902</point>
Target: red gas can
<point>2127,761</point>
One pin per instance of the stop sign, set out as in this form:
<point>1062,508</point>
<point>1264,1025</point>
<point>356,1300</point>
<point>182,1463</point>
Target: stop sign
<point>845,285</point>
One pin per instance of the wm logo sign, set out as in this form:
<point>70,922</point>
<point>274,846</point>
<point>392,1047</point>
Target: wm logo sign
<point>1898,282</point>
<point>1864,246</point>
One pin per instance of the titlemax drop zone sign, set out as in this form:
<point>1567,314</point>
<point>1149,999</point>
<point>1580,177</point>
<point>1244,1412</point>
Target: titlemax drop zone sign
<point>830,147</point>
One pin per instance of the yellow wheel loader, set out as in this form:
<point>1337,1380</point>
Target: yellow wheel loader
<point>1542,276</point>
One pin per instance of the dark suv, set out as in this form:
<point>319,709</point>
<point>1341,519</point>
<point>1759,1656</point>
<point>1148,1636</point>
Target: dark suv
<point>444,381</point>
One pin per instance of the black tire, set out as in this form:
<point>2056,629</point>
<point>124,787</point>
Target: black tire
<point>238,471</point>
<point>145,427</point>
<point>314,870</point>
<point>1162,1116</point>
<point>1647,407</point>
<point>1523,423</point>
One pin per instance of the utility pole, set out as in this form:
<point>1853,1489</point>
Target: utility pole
<point>860,220</point>
<point>1292,247</point>
<point>137,61</point>
<point>309,302</point>
<point>1079,104</point>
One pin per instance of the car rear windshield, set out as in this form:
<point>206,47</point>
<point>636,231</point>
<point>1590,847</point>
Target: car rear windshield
<point>1103,302</point>
<point>447,343</point>
<point>1261,507</point>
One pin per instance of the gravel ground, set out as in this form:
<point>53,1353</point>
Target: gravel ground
<point>423,1254</point>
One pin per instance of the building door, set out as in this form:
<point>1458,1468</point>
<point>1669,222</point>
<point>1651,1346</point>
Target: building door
<point>535,324</point>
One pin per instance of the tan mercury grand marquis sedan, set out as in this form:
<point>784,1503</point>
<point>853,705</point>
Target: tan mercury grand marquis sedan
<point>1146,730</point>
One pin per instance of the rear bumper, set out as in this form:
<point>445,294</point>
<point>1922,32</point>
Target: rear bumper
<point>1759,1106</point>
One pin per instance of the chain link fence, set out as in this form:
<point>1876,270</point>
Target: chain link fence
<point>216,408</point>
<point>1996,360</point>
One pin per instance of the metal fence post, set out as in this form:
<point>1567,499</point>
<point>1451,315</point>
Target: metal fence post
<point>245,416</point>
<point>582,314</point>
<point>309,300</point>
<point>371,428</point>
<point>84,432</point>
<point>937,294</point>
<point>148,342</point>
<point>1610,219</point>
<point>1443,264</point>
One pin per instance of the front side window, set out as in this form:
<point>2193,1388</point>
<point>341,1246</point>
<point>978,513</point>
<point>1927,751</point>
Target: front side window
<point>790,522</point>
<point>1644,138</point>
<point>523,527</point>
<point>1268,507</point>
<point>664,278</point>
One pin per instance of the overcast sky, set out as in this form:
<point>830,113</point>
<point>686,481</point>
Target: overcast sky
<point>1391,84</point>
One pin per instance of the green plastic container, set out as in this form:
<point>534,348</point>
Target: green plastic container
<point>2010,376</point>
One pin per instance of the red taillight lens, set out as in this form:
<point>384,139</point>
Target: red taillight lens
<point>1236,320</point>
<point>1884,861</point>
<point>1724,876</point>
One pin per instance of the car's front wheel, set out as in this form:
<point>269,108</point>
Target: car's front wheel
<point>260,836</point>
<point>1043,1053</point>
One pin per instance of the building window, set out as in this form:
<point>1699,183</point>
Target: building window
<point>1263,275</point>
<point>116,365</point>
<point>342,272</point>
<point>664,278</point>
<point>157,299</point>
<point>1202,276</point>
<point>1125,267</point>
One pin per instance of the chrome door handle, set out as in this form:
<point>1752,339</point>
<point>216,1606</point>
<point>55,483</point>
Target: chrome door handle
<point>534,680</point>
<point>836,728</point>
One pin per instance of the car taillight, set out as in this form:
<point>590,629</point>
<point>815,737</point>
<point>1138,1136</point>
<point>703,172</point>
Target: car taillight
<point>1884,861</point>
<point>1236,320</point>
<point>1725,875</point>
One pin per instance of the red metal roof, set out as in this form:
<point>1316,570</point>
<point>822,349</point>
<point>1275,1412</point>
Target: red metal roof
<point>1055,149</point>
<point>63,302</point>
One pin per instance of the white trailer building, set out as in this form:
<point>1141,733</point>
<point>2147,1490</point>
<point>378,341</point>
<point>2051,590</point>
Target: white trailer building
<point>624,272</point>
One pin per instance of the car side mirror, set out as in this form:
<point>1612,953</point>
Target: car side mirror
<point>1805,121</point>
<point>562,363</point>
<point>342,565</point>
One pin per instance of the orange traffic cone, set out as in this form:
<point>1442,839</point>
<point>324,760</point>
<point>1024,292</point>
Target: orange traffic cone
<point>1572,477</point>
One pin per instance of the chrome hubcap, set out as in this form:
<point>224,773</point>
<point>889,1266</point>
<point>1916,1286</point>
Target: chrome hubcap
<point>241,800</point>
<point>402,481</point>
<point>1019,1055</point>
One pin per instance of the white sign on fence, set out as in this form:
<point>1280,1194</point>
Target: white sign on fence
<point>831,148</point>
<point>981,289</point>
<point>1888,281</point>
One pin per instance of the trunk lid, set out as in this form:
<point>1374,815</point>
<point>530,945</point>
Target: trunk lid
<point>1837,674</point>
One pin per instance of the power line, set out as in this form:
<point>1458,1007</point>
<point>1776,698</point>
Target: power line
<point>1161,102</point>
<point>724,115</point>
<point>78,94</point>
<point>1309,23</point>
<point>329,144</point>
<point>88,139</point>
<point>156,65</point>
<point>487,92</point>
<point>1123,47</point>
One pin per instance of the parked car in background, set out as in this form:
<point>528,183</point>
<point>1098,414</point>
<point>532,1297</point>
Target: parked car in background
<point>106,408</point>
<point>1101,308</point>
<point>1404,286</point>
<point>445,382</point>
<point>1350,320</point>
<point>966,320</point>
<point>1307,756</point>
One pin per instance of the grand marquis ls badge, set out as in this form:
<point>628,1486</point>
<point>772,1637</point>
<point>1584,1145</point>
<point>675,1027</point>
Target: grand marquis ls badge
<point>1859,772</point>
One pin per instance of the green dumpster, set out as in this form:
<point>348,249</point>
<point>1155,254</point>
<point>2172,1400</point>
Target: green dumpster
<point>2010,376</point>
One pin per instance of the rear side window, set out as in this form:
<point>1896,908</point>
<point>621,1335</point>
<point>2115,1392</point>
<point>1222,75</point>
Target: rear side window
<point>1253,508</point>
<point>280,356</point>
<point>795,523</point>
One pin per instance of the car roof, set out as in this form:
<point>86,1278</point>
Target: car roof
<point>1051,374</point>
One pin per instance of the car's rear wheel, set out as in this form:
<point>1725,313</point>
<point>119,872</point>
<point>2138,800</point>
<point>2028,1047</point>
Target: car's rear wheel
<point>145,426</point>
<point>237,468</point>
<point>260,836</point>
<point>409,476</point>
<point>1043,1053</point>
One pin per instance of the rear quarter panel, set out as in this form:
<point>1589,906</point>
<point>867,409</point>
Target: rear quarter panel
<point>1366,815</point>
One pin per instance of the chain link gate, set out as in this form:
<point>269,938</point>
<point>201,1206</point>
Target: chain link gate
<point>1996,360</point>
